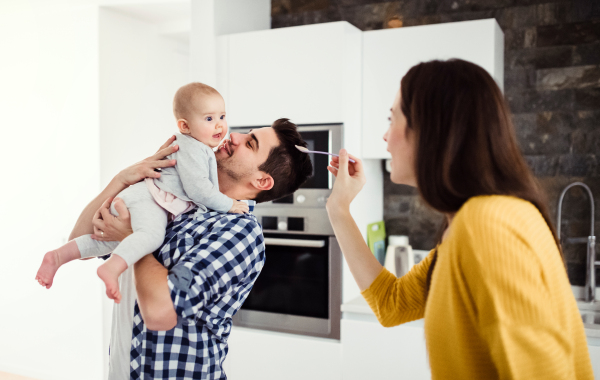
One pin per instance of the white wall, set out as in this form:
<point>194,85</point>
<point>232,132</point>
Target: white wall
<point>49,129</point>
<point>140,71</point>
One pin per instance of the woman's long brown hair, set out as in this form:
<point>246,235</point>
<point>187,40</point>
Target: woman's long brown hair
<point>465,140</point>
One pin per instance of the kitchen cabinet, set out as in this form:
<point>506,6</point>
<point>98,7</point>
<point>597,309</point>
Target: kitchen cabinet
<point>371,351</point>
<point>264,355</point>
<point>309,74</point>
<point>595,357</point>
<point>388,54</point>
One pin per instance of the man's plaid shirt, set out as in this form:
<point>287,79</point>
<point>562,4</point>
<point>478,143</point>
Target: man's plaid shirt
<point>213,260</point>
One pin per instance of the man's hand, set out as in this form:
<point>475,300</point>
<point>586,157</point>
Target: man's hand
<point>108,227</point>
<point>145,168</point>
<point>239,207</point>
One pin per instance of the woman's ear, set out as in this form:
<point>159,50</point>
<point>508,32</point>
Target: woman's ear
<point>182,124</point>
<point>264,182</point>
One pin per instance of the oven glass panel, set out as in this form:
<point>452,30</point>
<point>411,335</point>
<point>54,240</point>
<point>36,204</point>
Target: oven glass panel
<point>294,280</point>
<point>317,141</point>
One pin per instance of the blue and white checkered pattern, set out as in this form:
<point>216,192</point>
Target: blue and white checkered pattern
<point>213,260</point>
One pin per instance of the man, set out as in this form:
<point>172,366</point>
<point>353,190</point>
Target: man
<point>189,289</point>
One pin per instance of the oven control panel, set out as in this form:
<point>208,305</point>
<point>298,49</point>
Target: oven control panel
<point>282,224</point>
<point>301,199</point>
<point>294,221</point>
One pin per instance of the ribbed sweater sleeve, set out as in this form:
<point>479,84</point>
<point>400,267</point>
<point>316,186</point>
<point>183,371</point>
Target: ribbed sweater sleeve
<point>399,300</point>
<point>505,277</point>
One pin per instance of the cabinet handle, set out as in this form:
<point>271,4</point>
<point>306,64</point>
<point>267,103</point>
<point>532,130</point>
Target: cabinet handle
<point>295,242</point>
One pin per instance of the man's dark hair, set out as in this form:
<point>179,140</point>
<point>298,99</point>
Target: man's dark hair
<point>289,167</point>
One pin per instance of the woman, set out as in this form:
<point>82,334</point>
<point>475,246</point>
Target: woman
<point>494,293</point>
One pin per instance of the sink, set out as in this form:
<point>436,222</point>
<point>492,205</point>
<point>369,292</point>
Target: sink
<point>590,314</point>
<point>590,317</point>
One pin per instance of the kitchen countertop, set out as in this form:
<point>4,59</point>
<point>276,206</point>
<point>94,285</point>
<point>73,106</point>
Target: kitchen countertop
<point>358,309</point>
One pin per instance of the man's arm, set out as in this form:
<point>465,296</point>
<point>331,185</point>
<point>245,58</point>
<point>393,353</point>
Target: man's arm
<point>209,268</point>
<point>154,296</point>
<point>84,226</point>
<point>127,177</point>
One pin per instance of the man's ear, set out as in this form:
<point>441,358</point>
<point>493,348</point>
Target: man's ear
<point>264,182</point>
<point>182,124</point>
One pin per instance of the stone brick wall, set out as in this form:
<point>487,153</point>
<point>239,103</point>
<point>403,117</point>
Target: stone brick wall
<point>552,84</point>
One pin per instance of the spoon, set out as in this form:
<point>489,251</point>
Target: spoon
<point>305,150</point>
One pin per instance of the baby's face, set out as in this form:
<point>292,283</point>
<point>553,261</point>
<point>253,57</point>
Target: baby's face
<point>208,124</point>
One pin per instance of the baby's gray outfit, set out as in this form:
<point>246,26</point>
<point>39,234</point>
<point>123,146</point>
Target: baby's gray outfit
<point>193,178</point>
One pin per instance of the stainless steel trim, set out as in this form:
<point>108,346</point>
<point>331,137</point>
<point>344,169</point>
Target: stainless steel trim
<point>590,275</point>
<point>295,242</point>
<point>284,323</point>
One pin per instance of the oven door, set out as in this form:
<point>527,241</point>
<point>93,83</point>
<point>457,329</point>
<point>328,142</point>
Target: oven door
<point>299,288</point>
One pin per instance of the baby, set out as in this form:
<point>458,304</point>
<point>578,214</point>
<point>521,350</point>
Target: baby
<point>192,182</point>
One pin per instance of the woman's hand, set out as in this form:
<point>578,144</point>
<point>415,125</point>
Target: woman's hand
<point>145,168</point>
<point>108,227</point>
<point>350,179</point>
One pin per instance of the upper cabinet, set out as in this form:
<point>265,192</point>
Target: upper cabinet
<point>388,54</point>
<point>309,74</point>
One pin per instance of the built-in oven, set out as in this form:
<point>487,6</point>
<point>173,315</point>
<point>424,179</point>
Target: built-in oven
<point>299,289</point>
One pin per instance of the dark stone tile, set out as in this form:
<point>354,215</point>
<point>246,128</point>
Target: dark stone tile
<point>555,123</point>
<point>568,77</point>
<point>481,5</point>
<point>587,99</point>
<point>524,123</point>
<point>585,141</point>
<point>371,16</point>
<point>544,134</point>
<point>568,34</point>
<point>514,39</point>
<point>279,7</point>
<point>588,120</point>
<point>539,58</point>
<point>582,10</point>
<point>543,166</point>
<point>530,37</point>
<point>578,165</point>
<point>349,3</point>
<point>587,54</point>
<point>519,78</point>
<point>522,101</point>
<point>297,6</point>
<point>576,273</point>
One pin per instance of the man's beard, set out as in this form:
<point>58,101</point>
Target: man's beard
<point>224,165</point>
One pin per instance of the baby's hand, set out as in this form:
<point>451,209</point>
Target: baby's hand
<point>239,207</point>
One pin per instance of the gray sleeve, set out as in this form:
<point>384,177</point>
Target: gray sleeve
<point>193,167</point>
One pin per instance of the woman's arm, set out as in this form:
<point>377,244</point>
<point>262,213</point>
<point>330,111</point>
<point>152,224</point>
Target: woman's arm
<point>350,178</point>
<point>127,177</point>
<point>393,300</point>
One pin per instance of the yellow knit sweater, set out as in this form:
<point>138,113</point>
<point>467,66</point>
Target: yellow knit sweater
<point>500,304</point>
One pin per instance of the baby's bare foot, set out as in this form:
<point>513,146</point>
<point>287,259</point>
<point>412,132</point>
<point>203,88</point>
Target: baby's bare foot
<point>50,265</point>
<point>109,272</point>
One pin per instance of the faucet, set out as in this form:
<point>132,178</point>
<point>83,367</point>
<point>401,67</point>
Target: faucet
<point>590,273</point>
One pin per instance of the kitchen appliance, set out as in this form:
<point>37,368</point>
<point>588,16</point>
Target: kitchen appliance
<point>299,290</point>
<point>399,258</point>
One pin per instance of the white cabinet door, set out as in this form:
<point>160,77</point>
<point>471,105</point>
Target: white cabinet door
<point>294,72</point>
<point>372,351</point>
<point>595,358</point>
<point>262,355</point>
<point>388,54</point>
